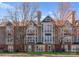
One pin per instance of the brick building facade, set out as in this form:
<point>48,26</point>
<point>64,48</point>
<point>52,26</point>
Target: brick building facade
<point>54,35</point>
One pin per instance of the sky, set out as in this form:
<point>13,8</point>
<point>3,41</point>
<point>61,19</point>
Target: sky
<point>45,7</point>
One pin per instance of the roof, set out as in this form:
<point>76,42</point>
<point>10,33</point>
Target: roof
<point>20,23</point>
<point>59,22</point>
<point>8,23</point>
<point>66,21</point>
<point>77,22</point>
<point>30,22</point>
<point>47,19</point>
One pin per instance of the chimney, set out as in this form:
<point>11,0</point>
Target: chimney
<point>39,16</point>
<point>39,23</point>
<point>73,17</point>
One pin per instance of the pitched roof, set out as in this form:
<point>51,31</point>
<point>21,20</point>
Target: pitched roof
<point>8,23</point>
<point>32,22</point>
<point>77,22</point>
<point>66,21</point>
<point>47,19</point>
<point>59,22</point>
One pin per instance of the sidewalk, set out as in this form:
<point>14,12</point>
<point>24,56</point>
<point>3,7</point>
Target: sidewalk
<point>43,55</point>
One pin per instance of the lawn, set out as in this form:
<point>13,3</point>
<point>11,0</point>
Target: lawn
<point>56,53</point>
<point>38,53</point>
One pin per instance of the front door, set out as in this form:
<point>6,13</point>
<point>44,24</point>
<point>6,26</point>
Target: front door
<point>69,47</point>
<point>29,48</point>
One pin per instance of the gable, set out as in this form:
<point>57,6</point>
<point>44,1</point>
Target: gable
<point>9,23</point>
<point>68,24</point>
<point>77,22</point>
<point>47,19</point>
<point>31,24</point>
<point>70,17</point>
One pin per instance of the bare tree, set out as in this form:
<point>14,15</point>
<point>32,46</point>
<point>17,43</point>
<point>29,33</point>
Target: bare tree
<point>21,13</point>
<point>64,8</point>
<point>62,11</point>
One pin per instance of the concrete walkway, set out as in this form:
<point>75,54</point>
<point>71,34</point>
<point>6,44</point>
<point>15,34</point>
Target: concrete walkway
<point>29,55</point>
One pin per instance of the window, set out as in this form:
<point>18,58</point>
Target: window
<point>28,40</point>
<point>11,40</point>
<point>48,28</point>
<point>28,30</point>
<point>48,39</point>
<point>33,40</point>
<point>9,29</point>
<point>39,48</point>
<point>36,40</point>
<point>67,40</point>
<point>42,40</point>
<point>45,40</point>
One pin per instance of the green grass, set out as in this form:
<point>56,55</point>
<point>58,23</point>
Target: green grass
<point>55,53</point>
<point>38,53</point>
